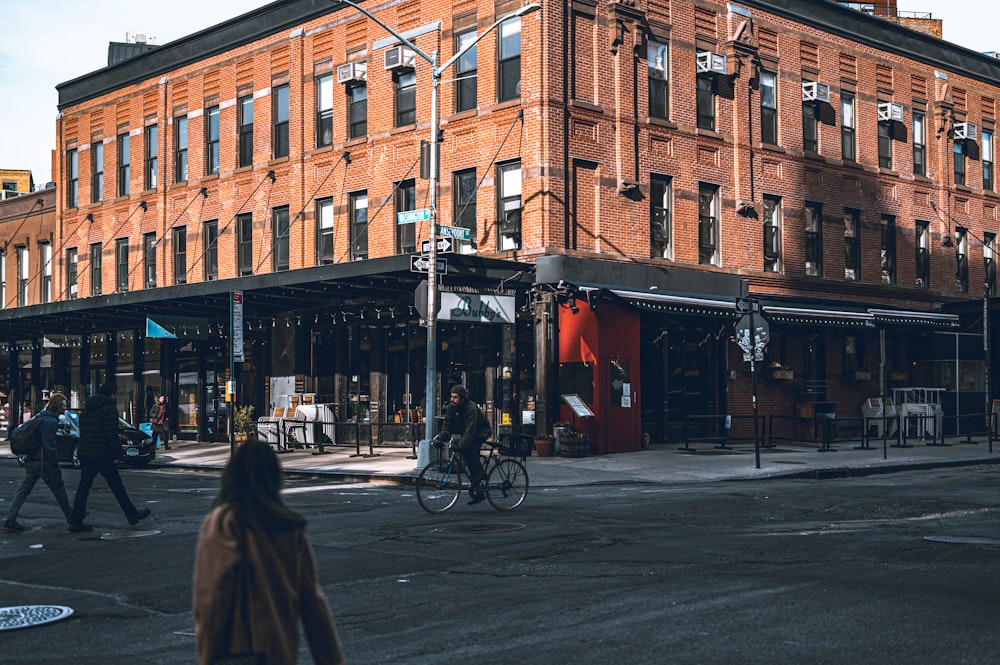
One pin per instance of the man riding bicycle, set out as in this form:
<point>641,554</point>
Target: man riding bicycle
<point>464,419</point>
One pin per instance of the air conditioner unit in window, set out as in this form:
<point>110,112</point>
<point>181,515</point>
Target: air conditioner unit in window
<point>813,91</point>
<point>966,131</point>
<point>398,57</point>
<point>510,223</point>
<point>351,71</point>
<point>709,62</point>
<point>890,111</point>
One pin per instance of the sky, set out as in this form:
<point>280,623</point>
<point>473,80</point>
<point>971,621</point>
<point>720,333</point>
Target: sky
<point>47,42</point>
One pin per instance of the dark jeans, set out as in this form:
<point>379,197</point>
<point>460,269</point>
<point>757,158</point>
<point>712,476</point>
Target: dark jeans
<point>89,468</point>
<point>49,472</point>
<point>470,455</point>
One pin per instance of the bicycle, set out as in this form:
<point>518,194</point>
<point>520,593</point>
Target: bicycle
<point>440,483</point>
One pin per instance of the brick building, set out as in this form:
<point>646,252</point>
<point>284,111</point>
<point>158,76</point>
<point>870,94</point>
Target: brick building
<point>627,171</point>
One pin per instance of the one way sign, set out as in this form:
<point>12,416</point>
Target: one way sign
<point>444,246</point>
<point>420,263</point>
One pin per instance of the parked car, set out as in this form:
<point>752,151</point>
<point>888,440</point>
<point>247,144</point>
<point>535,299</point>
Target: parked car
<point>137,446</point>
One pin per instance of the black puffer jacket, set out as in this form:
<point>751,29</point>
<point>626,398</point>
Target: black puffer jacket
<point>99,428</point>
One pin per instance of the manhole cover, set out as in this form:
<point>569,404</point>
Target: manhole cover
<point>962,540</point>
<point>31,615</point>
<point>480,528</point>
<point>119,535</point>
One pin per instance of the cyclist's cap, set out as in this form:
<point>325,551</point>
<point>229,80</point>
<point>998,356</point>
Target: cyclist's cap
<point>459,389</point>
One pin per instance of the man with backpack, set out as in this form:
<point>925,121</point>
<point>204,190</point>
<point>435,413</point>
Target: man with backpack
<point>464,419</point>
<point>41,463</point>
<point>100,449</point>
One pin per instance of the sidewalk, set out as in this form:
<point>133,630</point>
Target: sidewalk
<point>661,463</point>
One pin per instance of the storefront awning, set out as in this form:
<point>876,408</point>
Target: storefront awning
<point>818,317</point>
<point>889,317</point>
<point>663,302</point>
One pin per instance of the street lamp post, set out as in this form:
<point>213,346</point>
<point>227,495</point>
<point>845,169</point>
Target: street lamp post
<point>430,397</point>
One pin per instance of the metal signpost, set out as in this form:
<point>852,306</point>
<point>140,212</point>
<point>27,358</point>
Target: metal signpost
<point>752,336</point>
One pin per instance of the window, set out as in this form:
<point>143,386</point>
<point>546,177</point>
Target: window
<point>509,204</point>
<point>357,110</point>
<point>149,260</point>
<point>358,205</point>
<point>987,157</point>
<point>885,144</point>
<point>22,276</point>
<point>72,261</point>
<point>405,82</point>
<point>181,149</point>
<point>72,179</point>
<point>852,244</point>
<point>990,263</point>
<point>124,163</point>
<point>212,140</point>
<point>464,186</point>
<point>406,199</point>
<point>324,231</point>
<point>813,236</point>
<point>854,353</point>
<point>705,101</point>
<point>95,269</point>
<point>121,265</point>
<point>922,260</point>
<point>45,255</point>
<point>279,235</point>
<point>244,243</point>
<point>848,141</point>
<point>659,79</point>
<point>768,107</point>
<point>961,260</point>
<point>919,144</point>
<point>180,255</point>
<point>888,249</point>
<point>466,73</point>
<point>324,110</point>
<point>660,221</point>
<point>959,152</point>
<point>97,172</point>
<point>245,110</point>
<point>152,150</point>
<point>211,243</point>
<point>810,127</point>
<point>509,68</point>
<point>772,234</point>
<point>708,224</point>
<point>280,115</point>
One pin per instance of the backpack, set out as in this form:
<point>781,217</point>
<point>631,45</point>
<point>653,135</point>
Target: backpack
<point>26,439</point>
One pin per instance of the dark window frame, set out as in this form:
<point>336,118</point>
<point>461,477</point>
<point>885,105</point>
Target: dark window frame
<point>708,224</point>
<point>124,155</point>
<point>922,254</point>
<point>96,256</point>
<point>509,207</point>
<point>45,271</point>
<point>149,260</point>
<point>210,244</point>
<point>404,85</point>
<point>661,216</point>
<point>97,171</point>
<point>705,101</point>
<point>810,127</point>
<point>244,107</point>
<point>464,185</point>
<point>466,73</point>
<point>987,159</point>
<point>961,259</point>
<point>121,265</point>
<point>212,133</point>
<point>848,126</point>
<point>769,108</point>
<point>324,231</point>
<point>72,273</point>
<point>244,244</point>
<point>181,141</point>
<point>359,224</point>
<point>959,153</point>
<point>324,110</point>
<point>888,249</point>
<point>357,110</point>
<point>280,113</point>
<point>772,233</point>
<point>885,133</point>
<point>23,276</point>
<point>989,263</point>
<point>852,244</point>
<point>919,143</point>
<point>151,148</point>
<point>72,178</point>
<point>179,244</point>
<point>404,199</point>
<point>280,238</point>
<point>509,60</point>
<point>812,236</point>
<point>658,53</point>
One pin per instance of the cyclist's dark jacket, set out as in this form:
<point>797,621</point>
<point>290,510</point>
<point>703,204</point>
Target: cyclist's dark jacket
<point>464,421</point>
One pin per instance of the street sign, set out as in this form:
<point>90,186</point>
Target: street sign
<point>411,216</point>
<point>456,232</point>
<point>420,263</point>
<point>761,337</point>
<point>444,245</point>
<point>237,322</point>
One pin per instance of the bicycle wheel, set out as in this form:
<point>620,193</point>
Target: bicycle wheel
<point>507,484</point>
<point>439,486</point>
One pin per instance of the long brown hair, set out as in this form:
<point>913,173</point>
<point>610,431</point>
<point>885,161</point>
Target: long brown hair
<point>251,485</point>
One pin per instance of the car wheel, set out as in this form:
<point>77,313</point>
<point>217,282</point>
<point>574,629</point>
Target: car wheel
<point>76,457</point>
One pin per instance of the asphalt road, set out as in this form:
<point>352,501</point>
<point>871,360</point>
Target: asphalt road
<point>899,568</point>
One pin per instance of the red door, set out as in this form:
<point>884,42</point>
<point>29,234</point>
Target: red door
<point>622,424</point>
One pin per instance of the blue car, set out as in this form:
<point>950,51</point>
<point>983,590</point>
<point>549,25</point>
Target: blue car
<point>137,446</point>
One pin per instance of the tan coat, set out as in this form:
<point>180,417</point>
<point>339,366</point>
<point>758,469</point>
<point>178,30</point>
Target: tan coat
<point>285,591</point>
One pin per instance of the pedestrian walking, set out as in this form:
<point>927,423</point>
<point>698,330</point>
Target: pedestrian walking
<point>100,451</point>
<point>43,464</point>
<point>255,574</point>
<point>159,420</point>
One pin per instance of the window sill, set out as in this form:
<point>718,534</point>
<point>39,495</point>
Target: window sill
<point>124,197</point>
<point>851,164</point>
<point>209,178</point>
<point>989,193</point>
<point>660,122</point>
<point>964,188</point>
<point>885,171</point>
<point>922,178</point>
<point>814,156</point>
<point>243,169</point>
<point>772,147</point>
<point>585,105</point>
<point>277,160</point>
<point>361,140</point>
<point>403,129</point>
<point>462,115</point>
<point>507,104</point>
<point>147,192</point>
<point>708,134</point>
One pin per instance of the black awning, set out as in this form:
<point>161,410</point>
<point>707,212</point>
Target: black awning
<point>904,318</point>
<point>668,303</point>
<point>818,317</point>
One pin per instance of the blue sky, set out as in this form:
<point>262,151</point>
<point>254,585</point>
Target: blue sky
<point>33,59</point>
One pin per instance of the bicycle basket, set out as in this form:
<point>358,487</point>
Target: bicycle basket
<point>515,445</point>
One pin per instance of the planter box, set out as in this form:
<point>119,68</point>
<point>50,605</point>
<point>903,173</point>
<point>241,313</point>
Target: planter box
<point>783,374</point>
<point>574,444</point>
<point>545,447</point>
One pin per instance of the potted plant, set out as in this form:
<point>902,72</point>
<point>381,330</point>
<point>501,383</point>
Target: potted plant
<point>545,445</point>
<point>574,444</point>
<point>243,422</point>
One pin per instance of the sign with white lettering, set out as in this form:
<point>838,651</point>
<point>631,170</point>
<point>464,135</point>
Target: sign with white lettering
<point>477,308</point>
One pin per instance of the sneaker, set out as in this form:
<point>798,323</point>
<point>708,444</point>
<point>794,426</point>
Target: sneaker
<point>12,527</point>
<point>476,498</point>
<point>141,514</point>
<point>80,528</point>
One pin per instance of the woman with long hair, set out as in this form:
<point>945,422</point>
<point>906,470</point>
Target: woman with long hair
<point>255,574</point>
